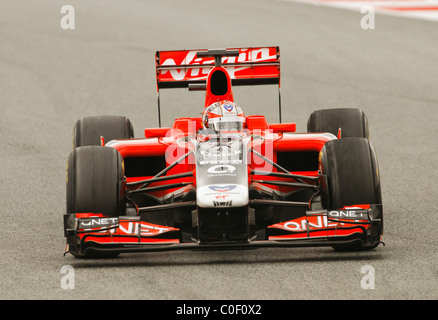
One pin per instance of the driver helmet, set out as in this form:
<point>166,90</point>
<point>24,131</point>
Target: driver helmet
<point>225,115</point>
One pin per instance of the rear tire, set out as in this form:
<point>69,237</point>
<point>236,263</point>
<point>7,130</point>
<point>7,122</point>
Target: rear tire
<point>352,176</point>
<point>353,122</point>
<point>88,130</point>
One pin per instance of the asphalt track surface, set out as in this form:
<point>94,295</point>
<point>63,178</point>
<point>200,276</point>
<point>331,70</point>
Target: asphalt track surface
<point>51,77</point>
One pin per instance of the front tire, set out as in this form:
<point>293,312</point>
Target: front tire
<point>95,184</point>
<point>351,176</point>
<point>95,181</point>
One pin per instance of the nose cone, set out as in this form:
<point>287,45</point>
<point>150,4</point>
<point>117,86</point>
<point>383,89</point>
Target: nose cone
<point>222,195</point>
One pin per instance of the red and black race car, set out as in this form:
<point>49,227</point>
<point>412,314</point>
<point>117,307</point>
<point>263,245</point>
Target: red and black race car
<point>225,179</point>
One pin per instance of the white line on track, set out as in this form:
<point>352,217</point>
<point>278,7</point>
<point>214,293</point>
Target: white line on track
<point>420,9</point>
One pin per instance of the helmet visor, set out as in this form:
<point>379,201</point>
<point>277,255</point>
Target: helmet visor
<point>227,123</point>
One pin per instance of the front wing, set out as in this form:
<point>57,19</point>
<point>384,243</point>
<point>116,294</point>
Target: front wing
<point>94,233</point>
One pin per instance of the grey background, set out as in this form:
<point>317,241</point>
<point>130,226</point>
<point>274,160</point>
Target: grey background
<point>50,77</point>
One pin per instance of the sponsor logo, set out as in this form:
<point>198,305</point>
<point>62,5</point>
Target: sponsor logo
<point>302,224</point>
<point>228,107</point>
<point>348,214</point>
<point>97,222</point>
<point>143,228</point>
<point>222,168</point>
<point>246,55</point>
<point>222,188</point>
<point>127,227</point>
<point>322,222</point>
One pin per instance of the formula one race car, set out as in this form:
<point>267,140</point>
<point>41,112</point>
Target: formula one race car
<point>225,179</point>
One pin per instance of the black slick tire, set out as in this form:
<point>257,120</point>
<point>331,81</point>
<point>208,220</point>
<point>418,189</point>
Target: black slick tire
<point>95,179</point>
<point>352,122</point>
<point>88,130</point>
<point>351,175</point>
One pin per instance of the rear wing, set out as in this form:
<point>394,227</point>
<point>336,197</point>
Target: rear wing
<point>190,68</point>
<point>251,66</point>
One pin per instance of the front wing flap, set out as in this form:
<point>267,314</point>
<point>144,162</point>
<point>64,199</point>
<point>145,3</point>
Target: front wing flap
<point>100,233</point>
<point>358,223</point>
